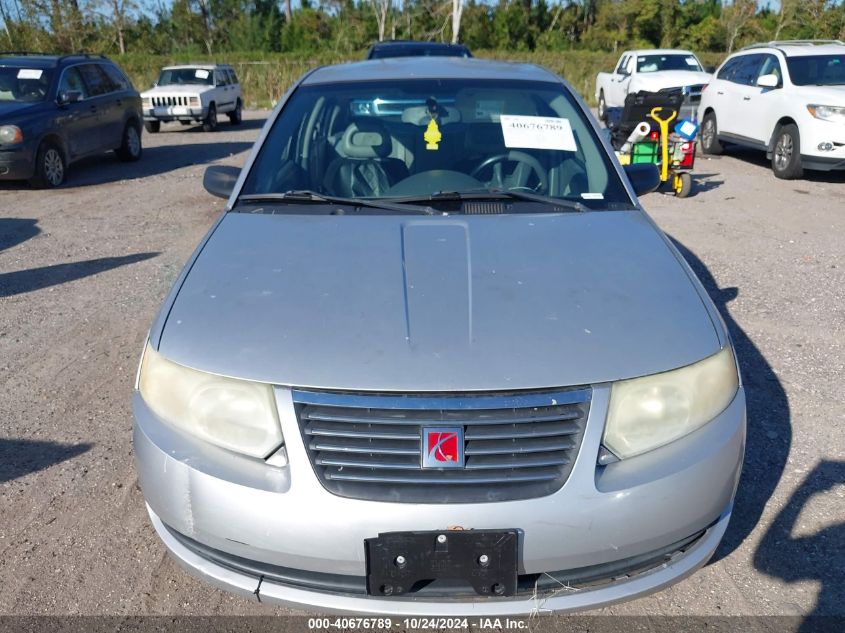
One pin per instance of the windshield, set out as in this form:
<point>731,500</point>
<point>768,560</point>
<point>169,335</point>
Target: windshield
<point>654,63</point>
<point>416,138</point>
<point>817,70</point>
<point>186,76</point>
<point>18,83</point>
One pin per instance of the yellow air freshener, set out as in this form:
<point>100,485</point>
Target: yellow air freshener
<point>432,135</point>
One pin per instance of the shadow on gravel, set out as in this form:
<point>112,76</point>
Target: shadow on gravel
<point>223,126</point>
<point>705,182</point>
<point>21,457</point>
<point>769,434</point>
<point>819,556</point>
<point>98,170</point>
<point>14,231</point>
<point>31,279</point>
<point>758,157</point>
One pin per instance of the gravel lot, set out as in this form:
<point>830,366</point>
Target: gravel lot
<point>84,269</point>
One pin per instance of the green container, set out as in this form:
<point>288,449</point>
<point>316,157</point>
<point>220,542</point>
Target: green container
<point>645,152</point>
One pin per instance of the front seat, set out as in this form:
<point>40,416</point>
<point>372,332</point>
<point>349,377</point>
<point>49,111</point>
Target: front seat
<point>364,167</point>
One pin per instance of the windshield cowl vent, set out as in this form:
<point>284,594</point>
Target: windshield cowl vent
<point>484,208</point>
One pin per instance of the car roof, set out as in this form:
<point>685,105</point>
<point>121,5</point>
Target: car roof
<point>798,48</point>
<point>205,66</point>
<point>416,44</point>
<point>428,68</point>
<point>659,51</point>
<point>43,60</point>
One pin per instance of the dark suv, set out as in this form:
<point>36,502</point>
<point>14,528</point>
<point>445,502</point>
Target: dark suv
<point>55,110</point>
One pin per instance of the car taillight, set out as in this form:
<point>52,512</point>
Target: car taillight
<point>654,136</point>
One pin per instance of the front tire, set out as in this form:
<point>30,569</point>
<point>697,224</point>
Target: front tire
<point>236,115</point>
<point>602,108</point>
<point>710,136</point>
<point>152,126</point>
<point>210,123</point>
<point>130,148</point>
<point>786,153</point>
<point>50,167</point>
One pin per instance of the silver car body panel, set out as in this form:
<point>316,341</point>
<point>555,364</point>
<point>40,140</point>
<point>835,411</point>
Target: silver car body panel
<point>283,516</point>
<point>393,303</point>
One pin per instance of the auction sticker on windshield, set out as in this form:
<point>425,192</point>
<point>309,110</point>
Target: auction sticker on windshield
<point>537,132</point>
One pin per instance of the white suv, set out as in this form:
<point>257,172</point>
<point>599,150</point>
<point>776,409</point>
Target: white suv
<point>193,93</point>
<point>786,98</point>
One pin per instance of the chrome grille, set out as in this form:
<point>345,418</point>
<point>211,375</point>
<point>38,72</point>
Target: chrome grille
<point>369,446</point>
<point>170,101</point>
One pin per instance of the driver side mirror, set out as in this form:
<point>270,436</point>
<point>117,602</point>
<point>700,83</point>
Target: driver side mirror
<point>768,81</point>
<point>219,180</point>
<point>644,177</point>
<point>69,96</point>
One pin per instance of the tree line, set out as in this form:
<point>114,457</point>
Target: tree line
<point>342,27</point>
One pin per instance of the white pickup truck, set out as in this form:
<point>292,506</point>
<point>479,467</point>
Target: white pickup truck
<point>652,70</point>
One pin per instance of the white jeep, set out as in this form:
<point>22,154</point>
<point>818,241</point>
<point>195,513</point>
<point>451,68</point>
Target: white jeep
<point>193,93</point>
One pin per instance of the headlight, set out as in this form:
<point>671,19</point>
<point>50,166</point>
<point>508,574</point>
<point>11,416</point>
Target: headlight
<point>828,113</point>
<point>146,102</point>
<point>236,414</point>
<point>648,412</point>
<point>195,101</point>
<point>10,134</point>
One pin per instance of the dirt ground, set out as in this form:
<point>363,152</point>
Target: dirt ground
<point>84,269</point>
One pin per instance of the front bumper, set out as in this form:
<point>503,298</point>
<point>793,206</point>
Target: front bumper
<point>17,162</point>
<point>175,113</point>
<point>247,510</point>
<point>814,133</point>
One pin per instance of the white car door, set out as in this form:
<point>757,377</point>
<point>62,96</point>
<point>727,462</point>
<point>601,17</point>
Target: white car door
<point>740,93</point>
<point>766,104</point>
<point>619,81</point>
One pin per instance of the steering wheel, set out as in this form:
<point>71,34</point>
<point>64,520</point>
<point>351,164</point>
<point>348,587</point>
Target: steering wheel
<point>518,178</point>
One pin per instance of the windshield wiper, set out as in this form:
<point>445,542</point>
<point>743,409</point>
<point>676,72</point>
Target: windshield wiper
<point>308,196</point>
<point>499,194</point>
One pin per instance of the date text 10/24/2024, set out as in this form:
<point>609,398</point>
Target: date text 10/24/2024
<point>386,624</point>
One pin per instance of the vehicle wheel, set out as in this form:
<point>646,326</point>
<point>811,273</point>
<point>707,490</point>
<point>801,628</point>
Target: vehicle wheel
<point>130,148</point>
<point>602,108</point>
<point>152,126</point>
<point>210,123</point>
<point>710,135</point>
<point>682,184</point>
<point>786,154</point>
<point>236,115</point>
<point>50,167</point>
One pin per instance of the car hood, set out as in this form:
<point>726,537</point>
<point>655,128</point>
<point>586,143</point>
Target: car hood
<point>662,79</point>
<point>437,304</point>
<point>14,108</point>
<point>823,95</point>
<point>189,89</point>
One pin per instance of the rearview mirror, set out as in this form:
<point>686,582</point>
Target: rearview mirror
<point>768,81</point>
<point>644,177</point>
<point>219,180</point>
<point>69,96</point>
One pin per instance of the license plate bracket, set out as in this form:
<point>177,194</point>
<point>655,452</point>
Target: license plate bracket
<point>486,559</point>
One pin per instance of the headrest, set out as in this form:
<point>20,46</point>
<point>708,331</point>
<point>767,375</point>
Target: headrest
<point>365,138</point>
<point>418,115</point>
